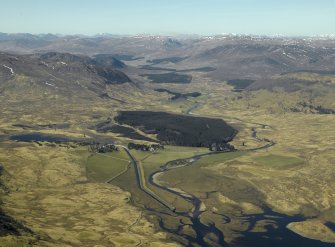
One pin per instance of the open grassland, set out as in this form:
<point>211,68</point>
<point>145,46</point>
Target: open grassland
<point>187,178</point>
<point>292,177</point>
<point>160,157</point>
<point>103,167</point>
<point>218,158</point>
<point>49,193</point>
<point>151,162</point>
<point>310,76</point>
<point>279,161</point>
<point>296,174</point>
<point>221,194</point>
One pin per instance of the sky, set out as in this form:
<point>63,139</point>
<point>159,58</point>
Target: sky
<point>169,17</point>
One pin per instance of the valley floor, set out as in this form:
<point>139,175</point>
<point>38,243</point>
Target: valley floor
<point>50,189</point>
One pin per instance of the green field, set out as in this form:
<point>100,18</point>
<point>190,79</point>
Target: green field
<point>151,162</point>
<point>101,167</point>
<point>207,180</point>
<point>188,177</point>
<point>172,153</point>
<point>218,158</point>
<point>279,161</point>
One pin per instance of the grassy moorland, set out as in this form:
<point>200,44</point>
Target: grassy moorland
<point>57,190</point>
<point>103,167</point>
<point>279,161</point>
<point>50,194</point>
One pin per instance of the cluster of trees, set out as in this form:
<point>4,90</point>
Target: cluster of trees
<point>178,129</point>
<point>178,95</point>
<point>306,107</point>
<point>145,147</point>
<point>102,148</point>
<point>172,77</point>
<point>222,147</point>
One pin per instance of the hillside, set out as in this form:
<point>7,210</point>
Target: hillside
<point>62,73</point>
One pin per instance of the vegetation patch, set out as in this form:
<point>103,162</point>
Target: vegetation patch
<point>201,69</point>
<point>129,133</point>
<point>187,179</point>
<point>279,161</point>
<point>240,84</point>
<point>309,108</point>
<point>162,156</point>
<point>287,84</point>
<point>169,78</point>
<point>177,95</point>
<point>101,167</point>
<point>179,130</point>
<point>124,131</point>
<point>218,158</point>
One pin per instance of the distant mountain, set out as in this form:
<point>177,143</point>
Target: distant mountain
<point>62,73</point>
<point>25,41</point>
<point>89,45</point>
<point>172,43</point>
<point>230,57</point>
<point>259,60</point>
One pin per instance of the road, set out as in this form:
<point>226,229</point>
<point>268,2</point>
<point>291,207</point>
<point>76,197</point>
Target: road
<point>201,230</point>
<point>141,181</point>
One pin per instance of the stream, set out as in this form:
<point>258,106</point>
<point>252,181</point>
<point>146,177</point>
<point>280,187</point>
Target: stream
<point>277,236</point>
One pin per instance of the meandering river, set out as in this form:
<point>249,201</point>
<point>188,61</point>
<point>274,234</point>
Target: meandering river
<point>278,236</point>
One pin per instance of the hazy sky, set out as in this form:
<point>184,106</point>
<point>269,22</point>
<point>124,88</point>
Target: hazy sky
<point>269,17</point>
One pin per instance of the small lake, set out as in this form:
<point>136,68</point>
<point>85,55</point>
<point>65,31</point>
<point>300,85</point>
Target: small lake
<point>39,137</point>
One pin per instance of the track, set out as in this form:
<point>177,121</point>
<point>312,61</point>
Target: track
<point>142,183</point>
